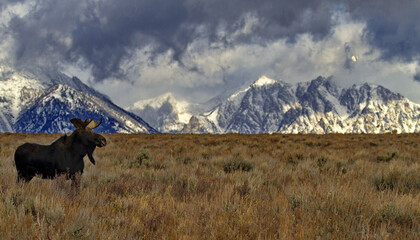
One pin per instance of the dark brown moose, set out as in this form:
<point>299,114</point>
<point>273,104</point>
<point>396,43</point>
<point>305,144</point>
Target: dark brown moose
<point>64,156</point>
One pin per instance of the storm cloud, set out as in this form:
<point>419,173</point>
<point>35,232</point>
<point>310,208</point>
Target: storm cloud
<point>127,40</point>
<point>101,34</point>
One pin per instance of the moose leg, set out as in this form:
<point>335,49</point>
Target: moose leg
<point>75,181</point>
<point>24,178</point>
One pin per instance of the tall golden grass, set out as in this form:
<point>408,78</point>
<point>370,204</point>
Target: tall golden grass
<point>147,186</point>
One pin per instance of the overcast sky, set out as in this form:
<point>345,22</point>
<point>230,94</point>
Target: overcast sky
<point>197,49</point>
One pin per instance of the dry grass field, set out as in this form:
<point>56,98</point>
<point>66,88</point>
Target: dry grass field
<point>222,187</point>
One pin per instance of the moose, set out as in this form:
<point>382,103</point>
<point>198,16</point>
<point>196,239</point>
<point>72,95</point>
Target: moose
<point>64,156</point>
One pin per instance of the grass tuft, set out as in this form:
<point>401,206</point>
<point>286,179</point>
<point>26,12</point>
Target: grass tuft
<point>237,163</point>
<point>386,158</point>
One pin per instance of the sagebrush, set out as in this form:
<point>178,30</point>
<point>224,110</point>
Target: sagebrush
<point>163,186</point>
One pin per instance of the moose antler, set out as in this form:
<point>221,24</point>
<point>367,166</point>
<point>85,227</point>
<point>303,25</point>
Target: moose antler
<point>88,123</point>
<point>93,125</point>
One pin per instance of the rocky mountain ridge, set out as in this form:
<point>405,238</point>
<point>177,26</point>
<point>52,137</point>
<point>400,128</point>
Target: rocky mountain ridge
<point>45,101</point>
<point>318,106</point>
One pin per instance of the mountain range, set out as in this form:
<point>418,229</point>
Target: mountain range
<point>38,100</point>
<point>41,100</point>
<point>318,106</point>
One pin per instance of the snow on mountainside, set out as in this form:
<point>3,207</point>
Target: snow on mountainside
<point>17,90</point>
<point>318,106</point>
<point>37,100</point>
<point>165,113</point>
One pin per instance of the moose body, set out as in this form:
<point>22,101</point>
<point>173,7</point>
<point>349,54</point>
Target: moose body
<point>64,156</point>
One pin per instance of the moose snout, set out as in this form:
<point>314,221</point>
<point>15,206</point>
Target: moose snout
<point>101,141</point>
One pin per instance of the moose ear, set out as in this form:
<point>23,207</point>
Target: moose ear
<point>77,122</point>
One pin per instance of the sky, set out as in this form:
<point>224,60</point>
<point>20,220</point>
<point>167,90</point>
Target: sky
<point>198,49</point>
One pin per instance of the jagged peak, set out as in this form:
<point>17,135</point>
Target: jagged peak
<point>375,91</point>
<point>261,81</point>
<point>321,81</point>
<point>42,78</point>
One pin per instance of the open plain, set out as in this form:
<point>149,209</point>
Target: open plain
<point>162,186</point>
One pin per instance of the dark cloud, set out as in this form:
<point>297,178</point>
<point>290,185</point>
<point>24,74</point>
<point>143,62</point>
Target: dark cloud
<point>417,77</point>
<point>102,34</point>
<point>349,63</point>
<point>116,28</point>
<point>392,26</point>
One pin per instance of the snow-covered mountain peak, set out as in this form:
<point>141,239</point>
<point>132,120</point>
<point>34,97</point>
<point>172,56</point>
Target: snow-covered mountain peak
<point>263,81</point>
<point>19,88</point>
<point>42,100</point>
<point>165,112</point>
<point>260,82</point>
<point>16,91</point>
<point>36,77</point>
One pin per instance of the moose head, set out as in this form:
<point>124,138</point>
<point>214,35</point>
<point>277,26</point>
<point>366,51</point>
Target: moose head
<point>87,137</point>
